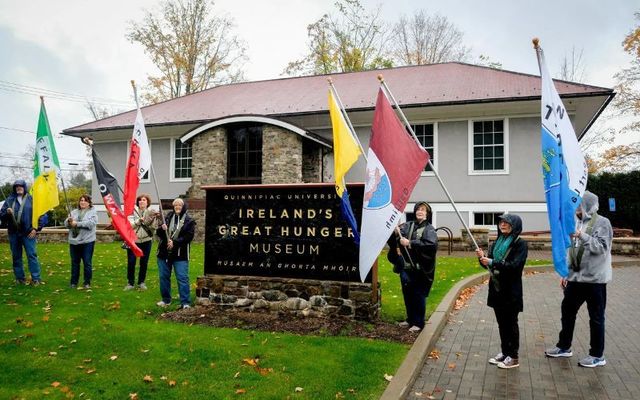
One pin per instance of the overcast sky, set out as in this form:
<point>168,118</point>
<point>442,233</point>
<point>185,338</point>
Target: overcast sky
<point>78,48</point>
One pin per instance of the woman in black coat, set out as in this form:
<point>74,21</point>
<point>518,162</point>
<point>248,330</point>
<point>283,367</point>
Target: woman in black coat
<point>505,262</point>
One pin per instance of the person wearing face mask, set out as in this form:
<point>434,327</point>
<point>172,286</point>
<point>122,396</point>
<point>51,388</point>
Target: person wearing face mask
<point>412,251</point>
<point>174,240</point>
<point>16,214</point>
<point>505,262</point>
<point>590,270</point>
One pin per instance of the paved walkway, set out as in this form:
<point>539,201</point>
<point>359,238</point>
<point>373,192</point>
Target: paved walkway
<point>470,337</point>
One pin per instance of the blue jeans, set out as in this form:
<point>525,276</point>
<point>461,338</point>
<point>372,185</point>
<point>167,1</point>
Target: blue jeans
<point>415,290</point>
<point>16,242</point>
<point>144,261</point>
<point>575,294</point>
<point>182,276</point>
<point>82,252</point>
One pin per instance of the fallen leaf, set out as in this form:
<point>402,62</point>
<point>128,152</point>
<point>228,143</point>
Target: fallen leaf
<point>113,357</point>
<point>86,360</point>
<point>451,366</point>
<point>91,371</point>
<point>298,389</point>
<point>147,378</point>
<point>264,371</point>
<point>388,377</point>
<point>237,374</point>
<point>434,355</point>
<point>250,361</point>
<point>163,378</point>
<point>172,383</point>
<point>53,353</point>
<point>133,396</point>
<point>55,384</point>
<point>241,391</point>
<point>352,391</point>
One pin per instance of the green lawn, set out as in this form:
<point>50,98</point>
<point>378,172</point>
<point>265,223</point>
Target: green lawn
<point>61,343</point>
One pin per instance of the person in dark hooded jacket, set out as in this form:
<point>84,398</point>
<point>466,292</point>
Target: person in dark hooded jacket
<point>412,251</point>
<point>16,213</point>
<point>174,241</point>
<point>505,262</point>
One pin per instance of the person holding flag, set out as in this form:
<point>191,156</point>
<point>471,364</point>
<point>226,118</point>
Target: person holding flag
<point>82,224</point>
<point>16,213</point>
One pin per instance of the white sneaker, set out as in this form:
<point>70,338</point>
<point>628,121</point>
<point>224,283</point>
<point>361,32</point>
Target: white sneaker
<point>415,329</point>
<point>142,286</point>
<point>162,304</point>
<point>185,306</point>
<point>403,324</point>
<point>128,287</point>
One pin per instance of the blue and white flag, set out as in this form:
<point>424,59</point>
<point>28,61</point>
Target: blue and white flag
<point>564,169</point>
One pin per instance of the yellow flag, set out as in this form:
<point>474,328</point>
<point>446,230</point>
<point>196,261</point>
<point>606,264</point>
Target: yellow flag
<point>345,149</point>
<point>45,169</point>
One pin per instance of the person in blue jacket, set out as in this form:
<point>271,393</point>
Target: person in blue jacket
<point>16,215</point>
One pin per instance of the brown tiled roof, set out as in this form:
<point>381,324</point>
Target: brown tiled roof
<point>434,84</point>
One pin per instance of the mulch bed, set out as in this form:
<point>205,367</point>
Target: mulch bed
<point>282,322</point>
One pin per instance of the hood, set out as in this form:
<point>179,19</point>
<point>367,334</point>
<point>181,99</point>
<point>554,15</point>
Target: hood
<point>589,205</point>
<point>20,182</point>
<point>514,220</point>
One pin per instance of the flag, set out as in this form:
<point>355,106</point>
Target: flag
<point>564,170</point>
<point>108,187</point>
<point>46,167</point>
<point>138,164</point>
<point>395,161</point>
<point>345,153</point>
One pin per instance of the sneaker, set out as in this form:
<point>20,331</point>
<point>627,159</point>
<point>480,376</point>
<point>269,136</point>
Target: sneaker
<point>37,282</point>
<point>73,286</point>
<point>415,329</point>
<point>497,359</point>
<point>509,363</point>
<point>162,304</point>
<point>556,352</point>
<point>592,362</point>
<point>86,286</point>
<point>184,307</point>
<point>403,324</point>
<point>142,286</point>
<point>21,282</point>
<point>129,287</point>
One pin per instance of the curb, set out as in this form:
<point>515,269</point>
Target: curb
<point>408,371</point>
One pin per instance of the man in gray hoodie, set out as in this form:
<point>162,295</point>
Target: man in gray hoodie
<point>590,262</point>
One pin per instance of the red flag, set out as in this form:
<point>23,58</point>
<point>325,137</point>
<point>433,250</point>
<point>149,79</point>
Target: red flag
<point>395,162</point>
<point>138,164</point>
<point>108,186</point>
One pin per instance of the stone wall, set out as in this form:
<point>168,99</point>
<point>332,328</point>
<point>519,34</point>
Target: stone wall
<point>311,162</point>
<point>313,298</point>
<point>209,161</point>
<point>281,156</point>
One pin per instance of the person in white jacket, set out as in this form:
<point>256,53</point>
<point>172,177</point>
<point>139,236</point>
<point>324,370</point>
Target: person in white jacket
<point>82,239</point>
<point>590,271</point>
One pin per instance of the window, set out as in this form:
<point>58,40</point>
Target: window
<point>182,160</point>
<point>244,165</point>
<point>489,140</point>
<point>426,137</point>
<point>486,218</point>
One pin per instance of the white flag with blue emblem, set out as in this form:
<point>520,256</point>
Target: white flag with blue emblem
<point>564,169</point>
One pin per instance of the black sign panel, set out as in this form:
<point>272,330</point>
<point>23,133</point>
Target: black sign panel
<point>294,231</point>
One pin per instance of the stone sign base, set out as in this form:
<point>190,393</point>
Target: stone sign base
<point>300,297</point>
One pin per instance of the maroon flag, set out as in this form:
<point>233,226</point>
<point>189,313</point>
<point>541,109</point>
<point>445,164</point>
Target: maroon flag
<point>108,187</point>
<point>394,164</point>
<point>138,164</point>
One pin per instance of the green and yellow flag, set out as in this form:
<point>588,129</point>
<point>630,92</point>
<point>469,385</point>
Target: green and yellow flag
<point>46,168</point>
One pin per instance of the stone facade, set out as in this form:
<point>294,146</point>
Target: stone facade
<point>209,161</point>
<point>309,298</point>
<point>311,162</point>
<point>281,156</point>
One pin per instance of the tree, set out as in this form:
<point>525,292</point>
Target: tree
<point>627,104</point>
<point>80,180</point>
<point>427,39</point>
<point>572,68</point>
<point>192,49</point>
<point>351,40</point>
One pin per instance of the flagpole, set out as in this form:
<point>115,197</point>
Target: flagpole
<point>352,130</point>
<point>444,188</point>
<point>64,189</point>
<point>538,49</point>
<point>153,172</point>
